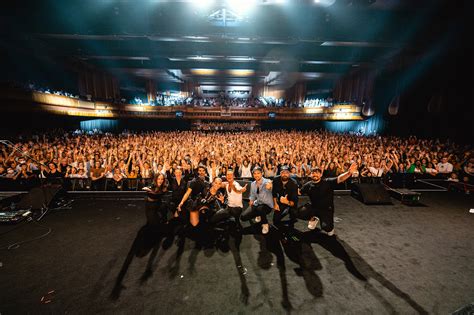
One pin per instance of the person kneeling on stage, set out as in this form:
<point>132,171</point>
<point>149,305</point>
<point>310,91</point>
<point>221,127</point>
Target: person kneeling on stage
<point>197,190</point>
<point>234,201</point>
<point>156,207</point>
<point>214,202</point>
<point>261,200</point>
<point>285,196</point>
<point>321,194</point>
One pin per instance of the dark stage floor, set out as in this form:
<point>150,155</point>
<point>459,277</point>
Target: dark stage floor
<point>385,259</point>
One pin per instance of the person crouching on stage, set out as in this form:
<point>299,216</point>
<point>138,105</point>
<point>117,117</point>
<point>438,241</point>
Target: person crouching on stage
<point>234,201</point>
<point>321,194</point>
<point>191,201</point>
<point>213,202</point>
<point>285,197</point>
<point>156,208</point>
<point>261,200</point>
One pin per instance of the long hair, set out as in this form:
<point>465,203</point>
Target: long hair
<point>164,185</point>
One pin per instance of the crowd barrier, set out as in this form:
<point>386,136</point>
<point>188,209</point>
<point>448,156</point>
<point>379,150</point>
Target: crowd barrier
<point>109,184</point>
<point>394,180</point>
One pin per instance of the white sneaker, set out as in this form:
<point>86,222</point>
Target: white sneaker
<point>258,219</point>
<point>265,228</point>
<point>313,223</point>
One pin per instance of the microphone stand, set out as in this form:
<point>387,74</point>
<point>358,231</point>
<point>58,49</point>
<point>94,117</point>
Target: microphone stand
<point>44,208</point>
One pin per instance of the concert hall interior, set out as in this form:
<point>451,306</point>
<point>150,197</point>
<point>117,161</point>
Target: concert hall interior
<point>236,157</point>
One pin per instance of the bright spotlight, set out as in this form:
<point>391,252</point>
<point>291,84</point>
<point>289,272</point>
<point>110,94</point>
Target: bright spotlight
<point>241,6</point>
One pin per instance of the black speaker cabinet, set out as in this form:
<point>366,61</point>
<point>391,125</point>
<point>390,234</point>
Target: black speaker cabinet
<point>371,194</point>
<point>39,197</point>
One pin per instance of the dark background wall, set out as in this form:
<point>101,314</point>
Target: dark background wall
<point>435,89</point>
<point>436,93</point>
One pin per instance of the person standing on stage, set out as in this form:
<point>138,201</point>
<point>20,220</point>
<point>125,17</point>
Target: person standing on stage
<point>261,200</point>
<point>285,196</point>
<point>156,208</point>
<point>321,194</point>
<point>178,186</point>
<point>197,190</point>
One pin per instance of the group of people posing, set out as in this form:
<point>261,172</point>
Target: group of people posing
<point>199,200</point>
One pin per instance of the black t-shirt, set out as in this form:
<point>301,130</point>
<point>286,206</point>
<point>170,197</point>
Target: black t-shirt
<point>178,190</point>
<point>63,167</point>
<point>330,172</point>
<point>281,189</point>
<point>212,201</point>
<point>199,188</point>
<point>321,194</point>
<point>156,196</point>
<point>236,171</point>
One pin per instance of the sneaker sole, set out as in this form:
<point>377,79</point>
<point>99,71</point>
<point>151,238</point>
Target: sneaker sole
<point>315,226</point>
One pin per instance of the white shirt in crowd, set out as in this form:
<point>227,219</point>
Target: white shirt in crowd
<point>376,172</point>
<point>234,199</point>
<point>211,174</point>
<point>445,168</point>
<point>245,171</point>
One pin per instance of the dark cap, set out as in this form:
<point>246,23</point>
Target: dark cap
<point>284,169</point>
<point>316,169</point>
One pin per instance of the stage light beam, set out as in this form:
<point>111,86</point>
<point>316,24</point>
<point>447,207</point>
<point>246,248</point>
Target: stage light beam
<point>202,3</point>
<point>241,6</point>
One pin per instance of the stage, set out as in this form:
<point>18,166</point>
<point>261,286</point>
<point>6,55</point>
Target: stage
<point>385,259</point>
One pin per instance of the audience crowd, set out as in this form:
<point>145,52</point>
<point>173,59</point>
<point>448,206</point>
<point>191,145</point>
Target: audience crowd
<point>141,156</point>
<point>166,99</point>
<point>318,102</point>
<point>227,126</point>
<point>163,100</point>
<point>35,87</point>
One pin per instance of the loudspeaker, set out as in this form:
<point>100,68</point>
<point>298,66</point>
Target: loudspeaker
<point>371,194</point>
<point>39,197</point>
<point>406,196</point>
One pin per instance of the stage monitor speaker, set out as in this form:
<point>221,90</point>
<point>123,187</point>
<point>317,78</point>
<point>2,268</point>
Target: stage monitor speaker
<point>371,194</point>
<point>39,197</point>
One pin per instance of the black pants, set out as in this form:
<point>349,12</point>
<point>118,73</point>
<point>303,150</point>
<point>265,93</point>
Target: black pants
<point>325,215</point>
<point>226,213</point>
<point>156,212</point>
<point>255,211</point>
<point>284,211</point>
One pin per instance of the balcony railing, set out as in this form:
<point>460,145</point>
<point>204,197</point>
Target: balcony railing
<point>61,105</point>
